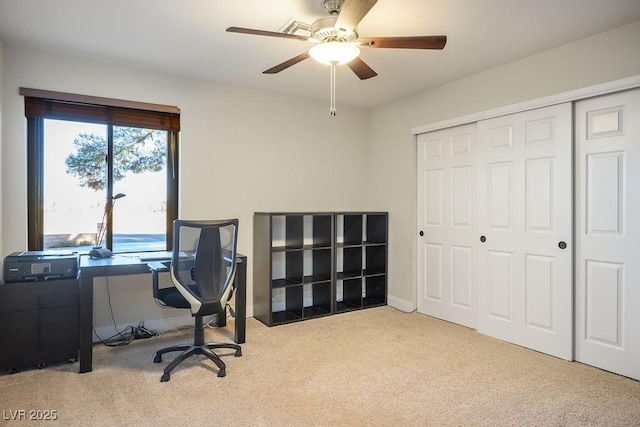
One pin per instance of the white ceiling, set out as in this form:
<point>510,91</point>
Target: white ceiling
<point>188,38</point>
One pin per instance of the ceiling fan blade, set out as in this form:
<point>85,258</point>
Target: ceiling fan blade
<point>287,64</point>
<point>418,42</point>
<point>352,12</point>
<point>361,69</point>
<point>267,33</point>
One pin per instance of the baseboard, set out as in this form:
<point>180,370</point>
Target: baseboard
<point>249,310</point>
<point>401,304</point>
<point>157,325</point>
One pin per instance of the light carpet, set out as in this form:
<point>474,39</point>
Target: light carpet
<point>374,367</point>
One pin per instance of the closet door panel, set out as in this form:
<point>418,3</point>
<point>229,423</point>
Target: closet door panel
<point>524,212</point>
<point>608,232</point>
<point>447,219</point>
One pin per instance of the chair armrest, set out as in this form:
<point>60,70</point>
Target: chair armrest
<point>157,267</point>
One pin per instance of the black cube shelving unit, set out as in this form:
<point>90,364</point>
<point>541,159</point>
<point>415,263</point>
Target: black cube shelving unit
<point>295,273</point>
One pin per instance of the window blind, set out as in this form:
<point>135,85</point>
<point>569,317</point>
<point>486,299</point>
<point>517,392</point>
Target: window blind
<point>66,106</point>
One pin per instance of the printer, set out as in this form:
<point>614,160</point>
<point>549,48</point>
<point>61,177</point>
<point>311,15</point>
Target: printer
<point>40,265</point>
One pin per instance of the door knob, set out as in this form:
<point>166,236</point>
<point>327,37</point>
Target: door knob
<point>562,245</point>
<point>483,239</point>
<point>422,233</point>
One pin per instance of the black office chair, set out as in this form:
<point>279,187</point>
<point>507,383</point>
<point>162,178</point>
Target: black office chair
<point>203,267</point>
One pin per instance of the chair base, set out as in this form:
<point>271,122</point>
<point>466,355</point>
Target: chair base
<point>191,350</point>
<point>198,347</point>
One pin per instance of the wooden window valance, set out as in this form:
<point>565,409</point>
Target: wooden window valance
<point>68,106</point>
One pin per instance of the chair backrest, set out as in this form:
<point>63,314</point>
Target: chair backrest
<point>203,263</point>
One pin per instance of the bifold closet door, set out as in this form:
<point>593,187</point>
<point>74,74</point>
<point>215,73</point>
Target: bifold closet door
<point>525,229</point>
<point>446,222</point>
<point>608,232</point>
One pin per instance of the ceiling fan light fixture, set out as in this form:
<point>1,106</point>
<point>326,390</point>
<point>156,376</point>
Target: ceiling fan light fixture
<point>337,40</point>
<point>334,52</point>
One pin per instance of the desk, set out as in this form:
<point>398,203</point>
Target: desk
<point>125,265</point>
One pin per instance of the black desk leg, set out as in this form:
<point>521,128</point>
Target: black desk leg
<point>86,323</point>
<point>241,295</point>
<point>240,305</point>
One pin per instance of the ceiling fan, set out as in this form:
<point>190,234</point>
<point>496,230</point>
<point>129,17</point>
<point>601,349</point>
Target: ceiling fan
<point>336,40</point>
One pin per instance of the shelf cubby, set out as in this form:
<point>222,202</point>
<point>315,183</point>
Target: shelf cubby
<point>293,305</point>
<point>287,232</point>
<point>375,291</point>
<point>320,303</point>
<point>318,265</point>
<point>288,268</point>
<point>321,231</point>
<point>351,265</point>
<point>351,295</point>
<point>376,228</point>
<point>375,259</point>
<point>351,230</point>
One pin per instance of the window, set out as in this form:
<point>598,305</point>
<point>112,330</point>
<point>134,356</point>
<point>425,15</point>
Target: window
<point>100,172</point>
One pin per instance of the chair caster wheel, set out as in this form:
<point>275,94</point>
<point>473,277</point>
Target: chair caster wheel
<point>157,359</point>
<point>165,378</point>
<point>222,373</point>
<point>238,353</point>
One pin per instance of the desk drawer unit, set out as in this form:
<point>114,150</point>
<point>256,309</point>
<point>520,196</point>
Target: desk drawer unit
<point>39,323</point>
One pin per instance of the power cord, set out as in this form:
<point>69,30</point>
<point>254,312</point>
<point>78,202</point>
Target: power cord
<point>129,334</point>
<point>232,312</point>
<point>125,337</point>
<point>142,333</point>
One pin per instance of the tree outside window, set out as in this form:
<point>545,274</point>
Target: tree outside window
<point>76,176</point>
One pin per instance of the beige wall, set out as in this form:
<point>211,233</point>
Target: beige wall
<point>606,57</point>
<point>279,152</point>
<point>242,150</point>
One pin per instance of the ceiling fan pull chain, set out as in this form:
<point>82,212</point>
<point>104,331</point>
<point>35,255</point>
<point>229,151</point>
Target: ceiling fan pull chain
<point>332,107</point>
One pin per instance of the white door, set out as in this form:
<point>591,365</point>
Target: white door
<point>608,233</point>
<point>446,222</point>
<point>525,288</point>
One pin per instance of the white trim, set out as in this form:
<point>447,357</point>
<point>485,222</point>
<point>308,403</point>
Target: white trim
<point>574,95</point>
<point>401,304</point>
